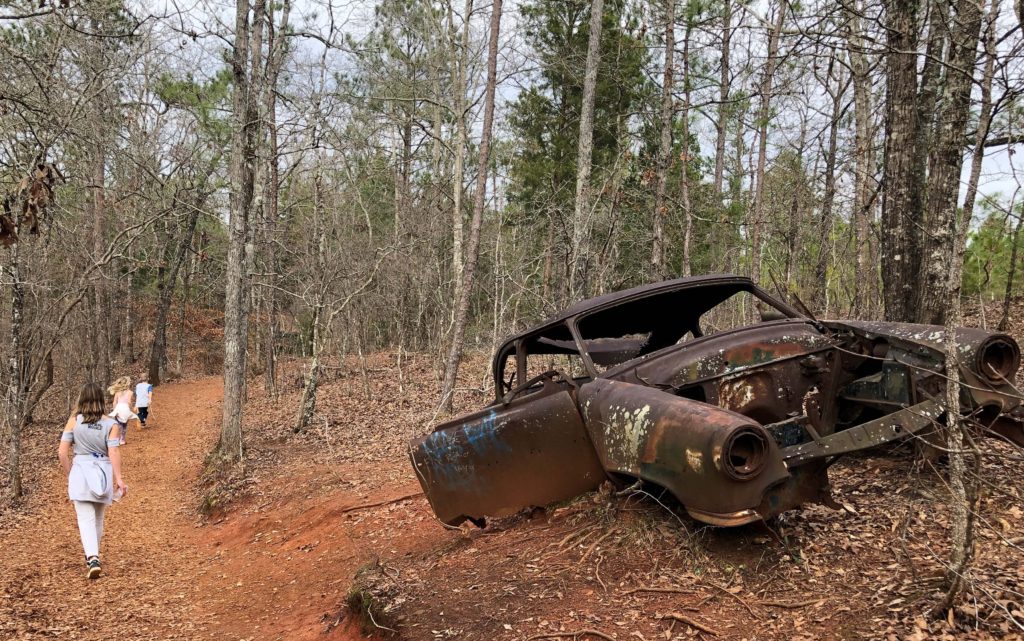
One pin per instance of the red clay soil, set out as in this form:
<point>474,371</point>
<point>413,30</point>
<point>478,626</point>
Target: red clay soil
<point>165,576</point>
<point>150,554</point>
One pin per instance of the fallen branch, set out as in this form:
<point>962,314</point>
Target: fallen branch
<point>789,606</point>
<point>663,590</point>
<point>367,506</point>
<point>734,596</point>
<point>595,544</point>
<point>574,635</point>
<point>597,573</point>
<point>561,544</point>
<point>682,618</point>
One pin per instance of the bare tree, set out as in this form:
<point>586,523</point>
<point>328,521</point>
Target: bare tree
<point>667,119</point>
<point>580,251</point>
<point>473,248</point>
<point>245,126</point>
<point>756,215</point>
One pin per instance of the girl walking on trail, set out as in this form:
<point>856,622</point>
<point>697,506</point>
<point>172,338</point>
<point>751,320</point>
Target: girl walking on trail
<point>121,390</point>
<point>89,455</point>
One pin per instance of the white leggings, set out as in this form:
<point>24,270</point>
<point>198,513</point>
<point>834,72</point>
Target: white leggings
<point>90,525</point>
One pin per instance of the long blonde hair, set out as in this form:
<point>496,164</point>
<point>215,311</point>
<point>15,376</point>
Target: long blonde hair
<point>120,385</point>
<point>90,402</point>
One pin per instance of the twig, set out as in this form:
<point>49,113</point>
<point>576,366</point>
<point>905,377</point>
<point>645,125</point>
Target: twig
<point>789,606</point>
<point>662,590</point>
<point>380,503</point>
<point>574,635</point>
<point>682,618</point>
<point>377,625</point>
<point>595,544</point>
<point>735,596</point>
<point>327,437</point>
<point>597,573</point>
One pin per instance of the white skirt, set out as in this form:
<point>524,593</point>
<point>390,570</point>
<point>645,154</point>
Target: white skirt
<point>91,479</point>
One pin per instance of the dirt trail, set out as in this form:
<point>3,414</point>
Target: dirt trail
<point>276,567</point>
<point>151,547</point>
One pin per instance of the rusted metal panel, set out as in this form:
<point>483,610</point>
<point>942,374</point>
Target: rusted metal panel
<point>496,462</point>
<point>714,461</point>
<point>886,429</point>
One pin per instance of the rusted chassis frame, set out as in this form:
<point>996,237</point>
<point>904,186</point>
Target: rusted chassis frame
<point>739,427</point>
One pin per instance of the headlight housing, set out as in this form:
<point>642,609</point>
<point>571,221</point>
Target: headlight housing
<point>745,452</point>
<point>997,359</point>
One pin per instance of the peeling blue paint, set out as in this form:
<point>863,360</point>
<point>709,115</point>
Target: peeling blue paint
<point>452,454</point>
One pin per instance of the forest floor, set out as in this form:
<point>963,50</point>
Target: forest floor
<point>336,511</point>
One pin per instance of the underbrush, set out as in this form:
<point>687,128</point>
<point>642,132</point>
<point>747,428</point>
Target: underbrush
<point>373,600</point>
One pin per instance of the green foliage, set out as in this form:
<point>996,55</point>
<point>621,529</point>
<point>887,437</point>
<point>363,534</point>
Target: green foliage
<point>545,117</point>
<point>207,100</point>
<point>988,258</point>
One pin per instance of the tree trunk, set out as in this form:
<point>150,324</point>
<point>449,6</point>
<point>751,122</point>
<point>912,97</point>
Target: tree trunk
<point>946,161</point>
<point>307,406</point>
<point>684,177</point>
<point>451,371</point>
<point>899,197</point>
<point>580,250</point>
<point>1004,319</point>
<point>964,458</point>
<point>158,352</point>
<point>721,124</point>
<point>757,211</point>
<point>864,163</point>
<point>100,323</point>
<point>243,137</point>
<point>664,146</point>
<point>825,223</point>
<point>15,368</point>
<point>461,140</point>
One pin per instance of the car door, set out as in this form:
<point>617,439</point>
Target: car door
<point>532,451</point>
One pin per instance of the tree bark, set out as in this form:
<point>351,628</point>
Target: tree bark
<point>963,482</point>
<point>684,176</point>
<point>756,219</point>
<point>828,199</point>
<point>277,45</point>
<point>946,161</point>
<point>580,251</point>
<point>14,416</point>
<point>461,141</point>
<point>473,248</point>
<point>243,137</point>
<point>864,164</point>
<point>307,406</point>
<point>900,194</point>
<point>158,351</point>
<point>1004,319</point>
<point>664,146</point>
<point>722,122</point>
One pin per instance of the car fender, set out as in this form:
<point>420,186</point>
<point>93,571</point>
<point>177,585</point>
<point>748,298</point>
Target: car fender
<point>686,446</point>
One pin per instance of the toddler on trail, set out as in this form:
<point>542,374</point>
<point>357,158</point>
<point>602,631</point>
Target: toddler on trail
<point>143,399</point>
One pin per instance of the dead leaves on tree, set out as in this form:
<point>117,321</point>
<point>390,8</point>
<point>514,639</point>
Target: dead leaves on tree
<point>27,205</point>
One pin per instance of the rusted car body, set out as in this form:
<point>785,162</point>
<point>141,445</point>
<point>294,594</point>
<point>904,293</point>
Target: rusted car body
<point>738,420</point>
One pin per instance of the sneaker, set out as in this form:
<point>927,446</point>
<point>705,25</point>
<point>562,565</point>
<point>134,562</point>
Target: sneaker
<point>94,567</point>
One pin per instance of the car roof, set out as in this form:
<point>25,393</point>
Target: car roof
<point>618,297</point>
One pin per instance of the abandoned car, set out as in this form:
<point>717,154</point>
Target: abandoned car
<point>674,384</point>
